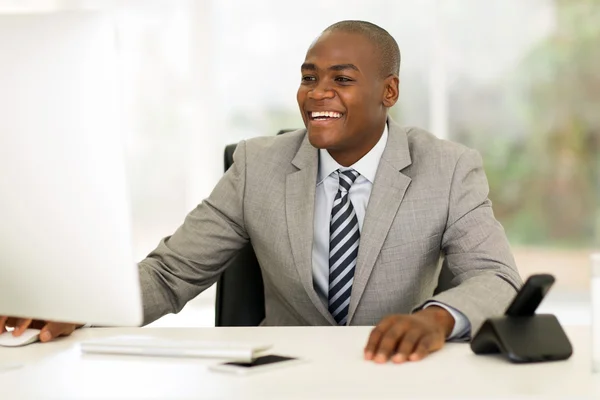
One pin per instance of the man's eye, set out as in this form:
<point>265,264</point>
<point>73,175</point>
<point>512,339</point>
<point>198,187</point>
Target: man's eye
<point>343,79</point>
<point>308,78</point>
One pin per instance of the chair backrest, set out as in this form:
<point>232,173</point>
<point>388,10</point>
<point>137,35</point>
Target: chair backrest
<point>240,289</point>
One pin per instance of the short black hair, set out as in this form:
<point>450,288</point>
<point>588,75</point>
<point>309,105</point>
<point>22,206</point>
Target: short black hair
<point>384,43</point>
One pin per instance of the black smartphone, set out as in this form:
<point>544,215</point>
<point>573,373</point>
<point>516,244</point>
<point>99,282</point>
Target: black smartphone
<point>530,296</point>
<point>263,363</point>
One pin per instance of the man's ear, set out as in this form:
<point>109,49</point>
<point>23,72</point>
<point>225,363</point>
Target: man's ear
<point>391,90</point>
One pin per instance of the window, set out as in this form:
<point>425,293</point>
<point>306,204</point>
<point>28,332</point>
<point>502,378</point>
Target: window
<point>517,80</point>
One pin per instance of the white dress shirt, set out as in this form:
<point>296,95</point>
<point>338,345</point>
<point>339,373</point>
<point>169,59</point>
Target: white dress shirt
<point>327,187</point>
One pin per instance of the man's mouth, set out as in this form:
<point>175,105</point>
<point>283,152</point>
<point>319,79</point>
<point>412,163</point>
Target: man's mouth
<point>324,115</point>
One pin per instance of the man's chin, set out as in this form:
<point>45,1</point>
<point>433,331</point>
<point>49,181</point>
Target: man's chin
<point>319,141</point>
<point>323,138</point>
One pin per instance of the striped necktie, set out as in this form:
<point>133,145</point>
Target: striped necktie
<point>343,248</point>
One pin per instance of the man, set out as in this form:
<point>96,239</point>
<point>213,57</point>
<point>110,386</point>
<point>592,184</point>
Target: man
<point>347,218</point>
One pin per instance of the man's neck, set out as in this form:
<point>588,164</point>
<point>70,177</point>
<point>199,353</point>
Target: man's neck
<point>348,157</point>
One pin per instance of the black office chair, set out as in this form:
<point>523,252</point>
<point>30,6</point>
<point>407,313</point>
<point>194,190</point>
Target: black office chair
<point>240,289</point>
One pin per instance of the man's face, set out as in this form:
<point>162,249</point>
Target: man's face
<point>341,93</point>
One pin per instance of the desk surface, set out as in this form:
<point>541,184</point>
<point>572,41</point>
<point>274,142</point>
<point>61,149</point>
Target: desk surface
<point>336,370</point>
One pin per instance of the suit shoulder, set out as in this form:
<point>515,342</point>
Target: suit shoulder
<point>280,148</point>
<point>425,145</point>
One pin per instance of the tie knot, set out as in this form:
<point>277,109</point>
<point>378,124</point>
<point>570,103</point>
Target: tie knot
<point>347,178</point>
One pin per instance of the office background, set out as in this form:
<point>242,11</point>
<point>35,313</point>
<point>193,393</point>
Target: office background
<point>517,80</point>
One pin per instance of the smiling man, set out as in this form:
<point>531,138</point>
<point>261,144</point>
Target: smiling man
<point>349,218</point>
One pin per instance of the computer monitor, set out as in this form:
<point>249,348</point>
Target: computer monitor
<point>65,237</point>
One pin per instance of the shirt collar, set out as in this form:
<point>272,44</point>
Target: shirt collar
<point>366,166</point>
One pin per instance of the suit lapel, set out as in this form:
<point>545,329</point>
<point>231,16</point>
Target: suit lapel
<point>300,209</point>
<point>388,191</point>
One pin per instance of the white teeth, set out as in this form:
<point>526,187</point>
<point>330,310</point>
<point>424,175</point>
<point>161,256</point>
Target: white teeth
<point>328,114</point>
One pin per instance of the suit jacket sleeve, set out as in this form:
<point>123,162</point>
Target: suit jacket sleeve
<point>191,260</point>
<point>476,248</point>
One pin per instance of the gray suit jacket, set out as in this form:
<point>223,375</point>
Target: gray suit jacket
<point>429,200</point>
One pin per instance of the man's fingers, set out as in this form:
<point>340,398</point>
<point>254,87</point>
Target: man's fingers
<point>407,344</point>
<point>376,336</point>
<point>427,345</point>
<point>3,324</point>
<point>406,337</point>
<point>37,324</point>
<point>422,349</point>
<point>20,325</point>
<point>52,330</point>
<point>389,341</point>
<point>48,330</point>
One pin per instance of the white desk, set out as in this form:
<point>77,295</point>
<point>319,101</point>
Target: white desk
<point>336,371</point>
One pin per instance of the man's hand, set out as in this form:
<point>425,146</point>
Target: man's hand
<point>49,330</point>
<point>409,337</point>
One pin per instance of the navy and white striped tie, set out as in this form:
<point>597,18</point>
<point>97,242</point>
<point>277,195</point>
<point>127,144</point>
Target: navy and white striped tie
<point>343,248</point>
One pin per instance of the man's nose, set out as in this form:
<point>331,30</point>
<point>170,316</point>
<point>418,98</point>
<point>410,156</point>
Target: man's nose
<point>321,91</point>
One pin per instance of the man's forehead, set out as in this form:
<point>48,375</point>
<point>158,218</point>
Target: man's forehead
<point>340,39</point>
<point>340,47</point>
